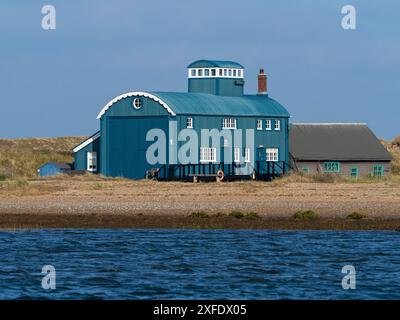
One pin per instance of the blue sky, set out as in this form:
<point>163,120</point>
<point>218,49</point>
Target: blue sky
<point>53,83</point>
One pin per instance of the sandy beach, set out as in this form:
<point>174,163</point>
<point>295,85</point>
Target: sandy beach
<point>100,203</point>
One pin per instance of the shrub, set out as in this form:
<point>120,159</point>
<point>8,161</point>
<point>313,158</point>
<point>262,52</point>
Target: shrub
<point>252,215</point>
<point>236,214</point>
<point>305,215</point>
<point>199,214</point>
<point>396,141</point>
<point>356,216</point>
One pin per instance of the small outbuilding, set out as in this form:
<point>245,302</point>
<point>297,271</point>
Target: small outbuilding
<point>54,168</point>
<point>349,149</point>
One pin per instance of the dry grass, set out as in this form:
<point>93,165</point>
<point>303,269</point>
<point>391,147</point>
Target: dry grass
<point>394,148</point>
<point>20,158</point>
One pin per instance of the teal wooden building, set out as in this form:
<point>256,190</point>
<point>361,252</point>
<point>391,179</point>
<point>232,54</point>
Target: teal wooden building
<point>215,100</point>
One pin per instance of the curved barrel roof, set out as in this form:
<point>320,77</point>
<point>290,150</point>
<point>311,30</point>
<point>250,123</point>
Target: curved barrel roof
<point>208,104</point>
<point>215,64</point>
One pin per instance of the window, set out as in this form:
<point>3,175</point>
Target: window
<point>234,72</point>
<point>259,124</point>
<point>228,123</point>
<point>377,171</point>
<point>354,172</point>
<point>237,154</point>
<point>193,72</point>
<point>230,72</point>
<point>92,162</point>
<point>277,125</point>
<point>206,72</point>
<point>225,72</point>
<point>306,169</point>
<point>200,72</point>
<point>331,167</point>
<point>220,72</point>
<point>272,154</point>
<point>189,123</point>
<point>267,124</point>
<point>247,155</point>
<point>137,103</point>
<point>208,154</point>
<point>239,73</point>
<point>213,72</point>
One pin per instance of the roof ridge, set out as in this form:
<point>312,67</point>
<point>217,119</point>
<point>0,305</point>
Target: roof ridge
<point>330,123</point>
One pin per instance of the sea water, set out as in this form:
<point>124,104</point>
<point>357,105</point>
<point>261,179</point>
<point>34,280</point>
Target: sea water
<point>198,264</point>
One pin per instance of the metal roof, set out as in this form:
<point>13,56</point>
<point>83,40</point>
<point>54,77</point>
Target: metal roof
<point>86,142</point>
<point>209,104</point>
<point>215,64</point>
<point>337,142</point>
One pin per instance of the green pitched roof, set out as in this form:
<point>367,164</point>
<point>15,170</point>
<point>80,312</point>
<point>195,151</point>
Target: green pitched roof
<point>215,64</point>
<point>208,104</point>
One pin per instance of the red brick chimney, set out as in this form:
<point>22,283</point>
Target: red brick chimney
<point>262,82</point>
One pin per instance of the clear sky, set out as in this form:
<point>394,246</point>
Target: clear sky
<point>54,82</point>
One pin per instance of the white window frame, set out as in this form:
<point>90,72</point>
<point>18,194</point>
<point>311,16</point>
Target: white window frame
<point>259,124</point>
<point>189,123</point>
<point>247,157</point>
<point>232,73</point>
<point>228,123</point>
<point>272,154</point>
<point>268,124</point>
<point>236,154</point>
<point>208,154</point>
<point>91,163</point>
<point>277,125</point>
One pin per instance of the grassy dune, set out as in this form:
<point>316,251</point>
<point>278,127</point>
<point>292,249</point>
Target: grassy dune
<point>20,158</point>
<point>394,148</point>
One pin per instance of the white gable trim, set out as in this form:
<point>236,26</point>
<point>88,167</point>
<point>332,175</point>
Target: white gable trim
<point>86,142</point>
<point>136,94</point>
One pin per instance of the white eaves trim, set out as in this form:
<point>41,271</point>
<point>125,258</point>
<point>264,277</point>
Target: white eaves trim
<point>135,94</point>
<point>86,142</point>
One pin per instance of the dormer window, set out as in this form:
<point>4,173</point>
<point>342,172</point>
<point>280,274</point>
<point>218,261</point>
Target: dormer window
<point>220,72</point>
<point>239,73</point>
<point>200,72</point>
<point>213,72</point>
<point>206,72</point>
<point>193,72</point>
